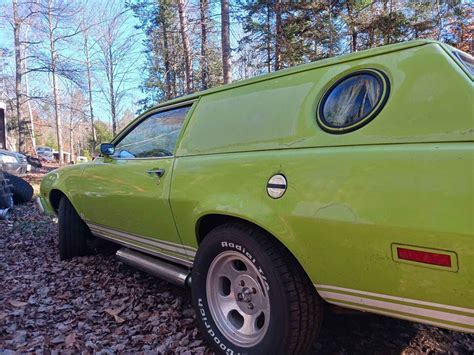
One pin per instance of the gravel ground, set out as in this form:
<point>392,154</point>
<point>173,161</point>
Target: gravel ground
<point>97,304</point>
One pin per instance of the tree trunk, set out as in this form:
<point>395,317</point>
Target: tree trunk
<point>89,91</point>
<point>113,103</point>
<point>57,114</point>
<point>27,92</point>
<point>71,142</point>
<point>204,9</point>
<point>269,38</point>
<point>331,32</point>
<point>18,75</point>
<point>278,35</point>
<point>166,59</point>
<point>225,39</point>
<point>352,27</point>
<point>183,21</point>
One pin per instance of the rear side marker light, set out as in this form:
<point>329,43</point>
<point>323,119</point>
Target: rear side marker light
<point>424,257</point>
<point>438,259</point>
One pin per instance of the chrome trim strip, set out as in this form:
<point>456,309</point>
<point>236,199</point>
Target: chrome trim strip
<point>396,315</point>
<point>175,248</point>
<point>185,262</point>
<point>388,297</point>
<point>186,251</point>
<point>139,240</point>
<point>389,306</point>
<point>146,158</point>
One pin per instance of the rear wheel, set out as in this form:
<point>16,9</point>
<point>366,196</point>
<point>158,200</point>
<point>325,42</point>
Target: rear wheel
<point>75,238</point>
<point>252,296</point>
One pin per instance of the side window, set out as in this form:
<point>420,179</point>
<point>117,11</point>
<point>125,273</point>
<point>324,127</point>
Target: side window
<point>353,101</point>
<point>155,136</point>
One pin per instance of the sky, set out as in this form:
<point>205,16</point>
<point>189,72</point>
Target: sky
<point>37,82</point>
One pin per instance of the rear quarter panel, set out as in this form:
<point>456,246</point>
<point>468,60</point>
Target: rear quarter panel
<point>345,208</point>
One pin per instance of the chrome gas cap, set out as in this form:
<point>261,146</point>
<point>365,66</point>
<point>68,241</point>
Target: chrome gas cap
<point>276,186</point>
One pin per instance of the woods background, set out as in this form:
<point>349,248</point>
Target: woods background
<point>73,73</point>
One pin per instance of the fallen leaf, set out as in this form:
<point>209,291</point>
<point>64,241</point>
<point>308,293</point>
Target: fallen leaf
<point>18,303</point>
<point>58,340</point>
<point>70,339</point>
<point>115,313</point>
<point>150,338</point>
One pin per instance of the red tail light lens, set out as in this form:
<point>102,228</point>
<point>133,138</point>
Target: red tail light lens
<point>424,257</point>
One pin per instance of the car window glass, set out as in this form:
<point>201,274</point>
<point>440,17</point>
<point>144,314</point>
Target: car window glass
<point>155,136</point>
<point>351,100</point>
<point>467,60</point>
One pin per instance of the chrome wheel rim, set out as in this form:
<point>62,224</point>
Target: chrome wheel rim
<point>237,298</point>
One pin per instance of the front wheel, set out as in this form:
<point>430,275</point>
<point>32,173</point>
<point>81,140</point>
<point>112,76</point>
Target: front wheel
<point>251,295</point>
<point>75,238</point>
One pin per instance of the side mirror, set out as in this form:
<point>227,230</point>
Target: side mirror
<point>107,149</point>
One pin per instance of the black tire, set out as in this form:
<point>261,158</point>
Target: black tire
<point>6,198</point>
<point>75,238</point>
<point>22,190</point>
<point>295,308</point>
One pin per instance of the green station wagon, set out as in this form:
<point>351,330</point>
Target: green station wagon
<point>347,181</point>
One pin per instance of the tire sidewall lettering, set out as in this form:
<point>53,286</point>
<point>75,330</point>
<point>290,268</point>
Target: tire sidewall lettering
<point>211,332</point>
<point>231,245</point>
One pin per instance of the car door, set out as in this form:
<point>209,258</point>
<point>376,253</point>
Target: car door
<point>126,195</point>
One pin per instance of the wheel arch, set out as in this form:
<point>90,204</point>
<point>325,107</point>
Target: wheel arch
<point>210,221</point>
<point>55,196</point>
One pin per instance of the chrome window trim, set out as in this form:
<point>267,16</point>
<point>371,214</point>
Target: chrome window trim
<point>144,158</point>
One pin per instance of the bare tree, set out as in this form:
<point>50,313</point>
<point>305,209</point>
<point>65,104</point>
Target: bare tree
<point>183,21</point>
<point>117,52</point>
<point>170,90</point>
<point>19,23</point>
<point>74,109</point>
<point>85,27</point>
<point>225,39</point>
<point>58,27</point>
<point>203,10</point>
<point>18,74</point>
<point>27,92</point>
<point>278,35</point>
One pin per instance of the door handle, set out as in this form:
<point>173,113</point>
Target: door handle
<point>157,172</point>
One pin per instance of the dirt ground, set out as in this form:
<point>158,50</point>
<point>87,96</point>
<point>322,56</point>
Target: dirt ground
<point>97,304</point>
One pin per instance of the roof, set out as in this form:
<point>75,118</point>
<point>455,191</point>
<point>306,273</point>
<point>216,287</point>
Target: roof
<point>300,68</point>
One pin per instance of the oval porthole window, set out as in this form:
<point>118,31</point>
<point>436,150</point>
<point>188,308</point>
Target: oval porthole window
<point>353,101</point>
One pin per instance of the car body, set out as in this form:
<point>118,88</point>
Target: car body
<point>378,210</point>
<point>13,162</point>
<point>45,153</point>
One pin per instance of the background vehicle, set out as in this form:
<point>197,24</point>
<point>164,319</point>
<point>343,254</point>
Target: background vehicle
<point>15,163</point>
<point>81,159</point>
<point>347,180</point>
<point>45,153</point>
